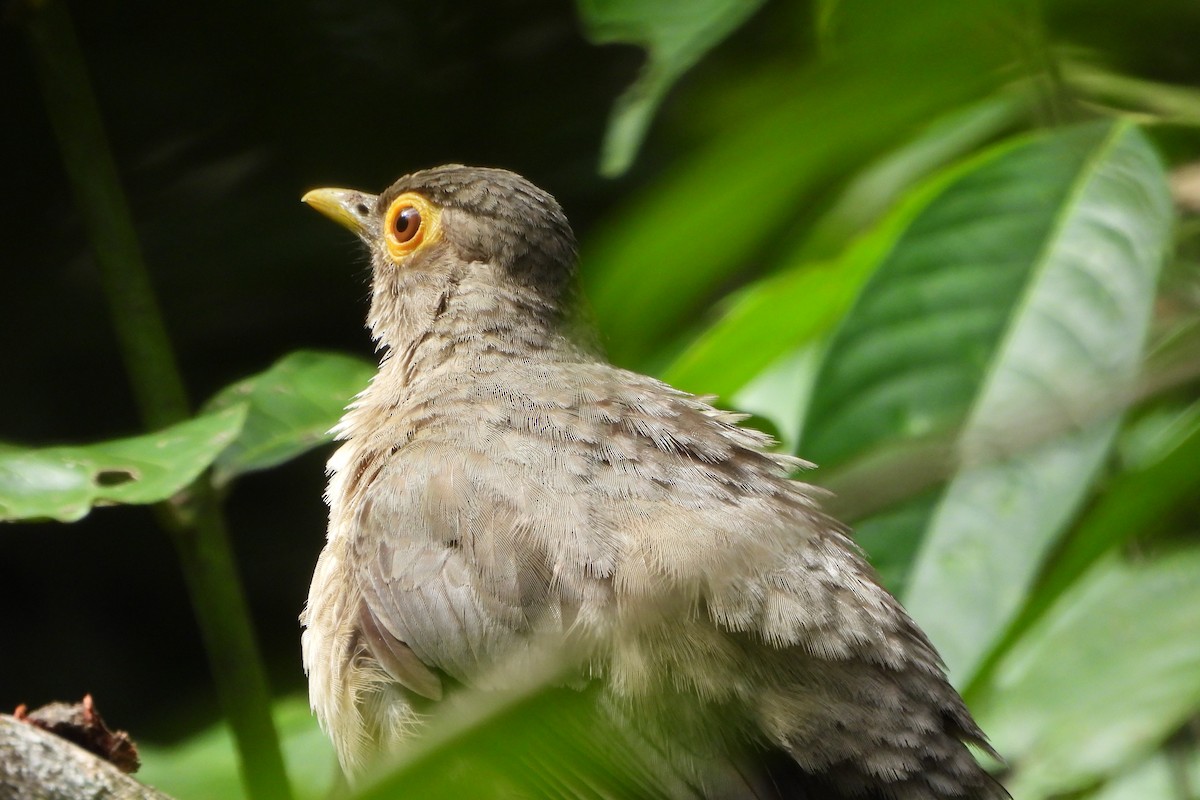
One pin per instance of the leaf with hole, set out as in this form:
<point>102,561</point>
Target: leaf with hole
<point>64,483</point>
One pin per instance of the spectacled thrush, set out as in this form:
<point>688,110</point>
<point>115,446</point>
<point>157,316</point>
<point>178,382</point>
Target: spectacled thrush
<point>500,483</point>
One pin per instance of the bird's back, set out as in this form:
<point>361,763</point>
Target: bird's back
<point>565,496</point>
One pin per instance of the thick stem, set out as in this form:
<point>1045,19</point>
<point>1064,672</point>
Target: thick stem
<point>196,524</point>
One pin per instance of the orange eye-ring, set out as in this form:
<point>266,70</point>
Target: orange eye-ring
<point>410,221</point>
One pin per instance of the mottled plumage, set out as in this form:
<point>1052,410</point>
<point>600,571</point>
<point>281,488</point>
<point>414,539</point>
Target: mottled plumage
<point>499,484</point>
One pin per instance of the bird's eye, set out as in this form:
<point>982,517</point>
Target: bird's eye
<point>411,220</point>
<point>406,225</point>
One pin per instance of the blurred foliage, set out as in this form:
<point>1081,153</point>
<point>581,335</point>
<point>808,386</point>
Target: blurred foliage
<point>675,36</point>
<point>922,242</point>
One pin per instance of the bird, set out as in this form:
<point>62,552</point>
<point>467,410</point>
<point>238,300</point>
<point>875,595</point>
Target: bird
<point>500,485</point>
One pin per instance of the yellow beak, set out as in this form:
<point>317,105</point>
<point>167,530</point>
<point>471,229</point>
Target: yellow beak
<point>347,207</point>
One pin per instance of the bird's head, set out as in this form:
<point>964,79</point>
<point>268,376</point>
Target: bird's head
<point>456,225</point>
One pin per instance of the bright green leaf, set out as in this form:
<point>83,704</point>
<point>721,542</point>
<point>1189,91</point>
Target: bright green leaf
<point>1016,303</point>
<point>675,34</point>
<point>779,390</point>
<point>1105,677</point>
<point>1136,503</point>
<point>64,483</point>
<point>765,321</point>
<point>1073,340</point>
<point>293,405</point>
<point>1153,436</point>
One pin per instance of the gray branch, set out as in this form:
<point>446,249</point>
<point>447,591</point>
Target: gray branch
<point>37,765</point>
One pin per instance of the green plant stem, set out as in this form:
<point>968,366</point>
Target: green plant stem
<point>210,572</point>
<point>75,116</point>
<point>196,523</point>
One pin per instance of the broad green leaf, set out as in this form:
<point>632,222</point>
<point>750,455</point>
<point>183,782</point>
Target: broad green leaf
<point>292,407</point>
<point>1135,504</point>
<point>64,483</point>
<point>658,260</point>
<point>206,765</point>
<point>1015,305</point>
<point>780,313</point>
<point>1075,338</point>
<point>675,34</point>
<point>1102,680</point>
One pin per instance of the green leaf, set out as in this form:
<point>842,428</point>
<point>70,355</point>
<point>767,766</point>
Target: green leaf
<point>1135,504</point>
<point>675,34</point>
<point>877,188</point>
<point>64,483</point>
<point>292,407</point>
<point>780,313</point>
<point>767,320</point>
<point>1163,775</point>
<point>1175,104</point>
<point>657,261</point>
<point>778,391</point>
<point>1102,680</point>
<point>1015,305</point>
<point>206,765</point>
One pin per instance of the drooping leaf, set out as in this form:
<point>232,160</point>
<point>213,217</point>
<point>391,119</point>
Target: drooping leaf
<point>1015,305</point>
<point>675,34</point>
<point>292,406</point>
<point>64,483</point>
<point>1102,680</point>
